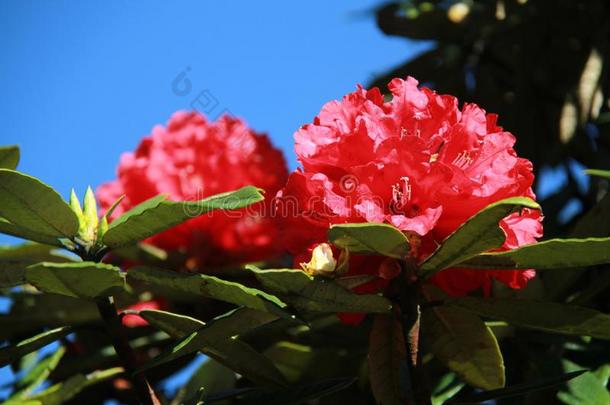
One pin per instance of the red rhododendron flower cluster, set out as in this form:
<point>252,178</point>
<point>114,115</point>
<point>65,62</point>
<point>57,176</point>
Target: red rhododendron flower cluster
<point>417,162</point>
<point>193,158</point>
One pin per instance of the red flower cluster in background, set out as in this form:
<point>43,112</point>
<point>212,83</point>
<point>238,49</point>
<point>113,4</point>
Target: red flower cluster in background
<point>193,158</point>
<point>417,162</point>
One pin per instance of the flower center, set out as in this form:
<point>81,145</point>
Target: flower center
<point>463,159</point>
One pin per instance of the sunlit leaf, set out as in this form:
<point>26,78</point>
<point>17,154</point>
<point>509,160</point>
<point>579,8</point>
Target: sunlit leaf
<point>158,214</point>
<point>478,234</point>
<point>379,239</point>
<point>28,203</point>
<point>549,254</point>
<point>319,294</point>
<point>81,279</point>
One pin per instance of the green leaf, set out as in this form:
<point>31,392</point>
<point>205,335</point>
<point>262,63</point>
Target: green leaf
<point>28,203</point>
<point>388,368</point>
<point>299,394</point>
<point>209,286</point>
<point>478,234</point>
<point>588,388</point>
<point>9,157</point>
<point>81,280</point>
<point>379,239</point>
<point>9,228</point>
<point>546,316</point>
<point>37,374</point>
<point>14,260</point>
<point>175,325</point>
<point>158,214</point>
<point>604,174</point>
<point>211,377</point>
<point>64,391</point>
<point>461,341</point>
<point>12,353</point>
<point>549,254</point>
<point>217,340</point>
<point>31,311</point>
<point>515,390</point>
<point>317,293</point>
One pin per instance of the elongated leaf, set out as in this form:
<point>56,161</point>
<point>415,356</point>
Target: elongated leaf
<point>9,228</point>
<point>9,157</point>
<point>515,390</point>
<point>12,353</point>
<point>30,312</point>
<point>81,280</point>
<point>217,340</point>
<point>318,294</point>
<point>461,341</point>
<point>175,325</point>
<point>379,239</point>
<point>233,323</point>
<point>38,374</point>
<point>14,260</point>
<point>302,393</point>
<point>28,203</point>
<point>388,368</point>
<point>549,254</point>
<point>64,391</point>
<point>588,388</point>
<point>212,287</point>
<point>479,234</point>
<point>604,174</point>
<point>158,214</point>
<point>211,377</point>
<point>545,316</point>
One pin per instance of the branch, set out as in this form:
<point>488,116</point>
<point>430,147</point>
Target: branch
<point>108,311</point>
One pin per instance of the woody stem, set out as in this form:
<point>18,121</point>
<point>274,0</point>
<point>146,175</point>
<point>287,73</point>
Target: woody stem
<point>108,311</point>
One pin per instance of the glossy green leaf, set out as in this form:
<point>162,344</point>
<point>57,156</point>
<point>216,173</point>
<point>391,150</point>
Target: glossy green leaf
<point>14,260</point>
<point>379,239</point>
<point>11,353</point>
<point>478,234</point>
<point>158,214</point>
<point>461,341</point>
<point>28,203</point>
<point>9,228</point>
<point>209,286</point>
<point>61,392</point>
<point>388,368</point>
<point>604,174</point>
<point>217,340</point>
<point>590,388</point>
<point>233,323</point>
<point>210,378</point>
<point>82,279</point>
<point>546,316</point>
<point>9,157</point>
<point>317,293</point>
<point>549,254</point>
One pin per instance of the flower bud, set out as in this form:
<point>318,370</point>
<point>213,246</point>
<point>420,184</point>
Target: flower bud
<point>322,261</point>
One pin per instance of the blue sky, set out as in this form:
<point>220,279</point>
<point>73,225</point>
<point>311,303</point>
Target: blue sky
<point>82,82</point>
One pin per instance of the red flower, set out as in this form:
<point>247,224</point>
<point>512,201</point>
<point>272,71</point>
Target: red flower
<point>416,162</point>
<point>133,320</point>
<point>193,158</point>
